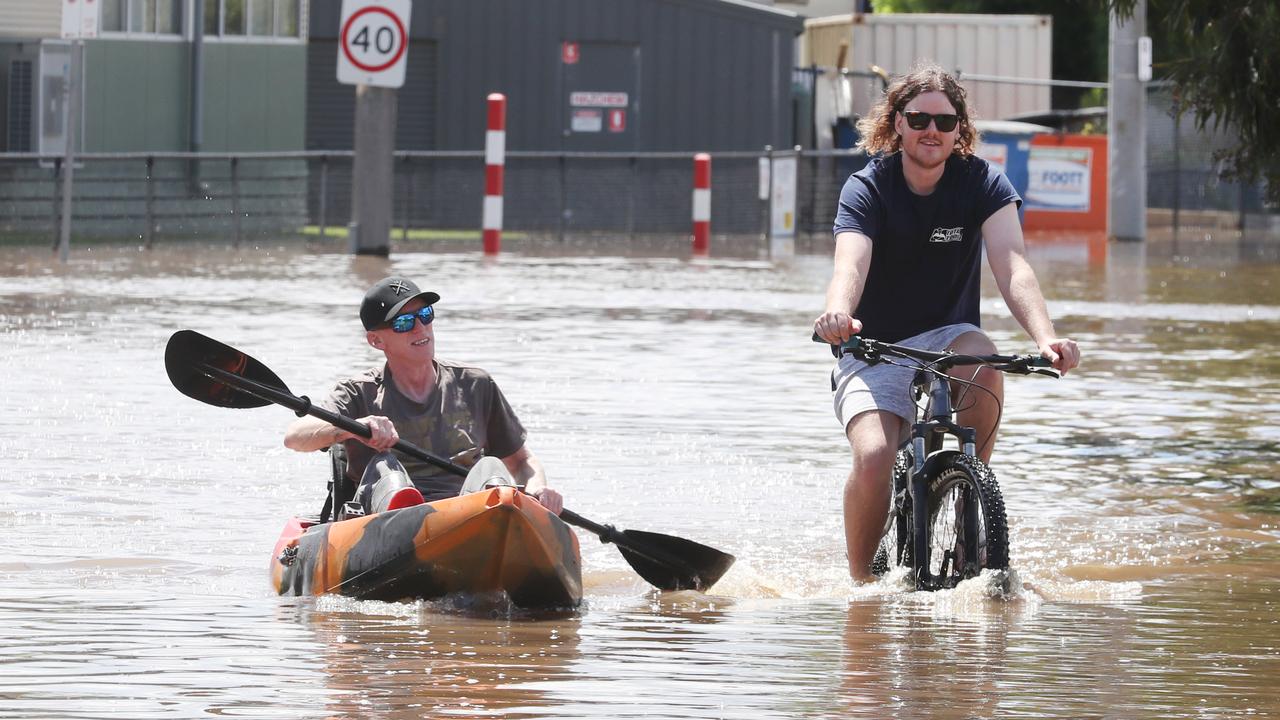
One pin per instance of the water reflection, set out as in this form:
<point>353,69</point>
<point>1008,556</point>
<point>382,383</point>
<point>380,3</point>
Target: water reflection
<point>418,660</point>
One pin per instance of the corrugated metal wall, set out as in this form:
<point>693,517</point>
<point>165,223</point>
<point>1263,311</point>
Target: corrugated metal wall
<point>713,75</point>
<point>1005,45</point>
<point>31,18</point>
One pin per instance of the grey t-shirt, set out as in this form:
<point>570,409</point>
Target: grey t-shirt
<point>466,411</point>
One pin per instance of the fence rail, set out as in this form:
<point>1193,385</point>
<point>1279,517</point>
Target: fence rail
<point>238,196</point>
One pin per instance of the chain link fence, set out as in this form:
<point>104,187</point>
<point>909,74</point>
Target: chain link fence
<point>1186,180</point>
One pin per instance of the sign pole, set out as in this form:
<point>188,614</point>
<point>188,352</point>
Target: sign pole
<point>373,43</point>
<point>373,171</point>
<point>72,108</point>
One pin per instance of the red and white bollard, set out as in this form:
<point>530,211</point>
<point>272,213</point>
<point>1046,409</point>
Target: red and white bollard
<point>701,204</point>
<point>495,152</point>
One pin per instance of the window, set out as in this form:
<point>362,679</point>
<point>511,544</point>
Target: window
<point>253,18</point>
<point>262,16</point>
<point>142,17</point>
<point>211,17</point>
<point>287,18</point>
<point>232,17</point>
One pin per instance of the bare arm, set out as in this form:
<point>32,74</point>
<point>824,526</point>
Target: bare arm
<point>848,278</point>
<point>308,434</point>
<point>1006,253</point>
<point>525,467</point>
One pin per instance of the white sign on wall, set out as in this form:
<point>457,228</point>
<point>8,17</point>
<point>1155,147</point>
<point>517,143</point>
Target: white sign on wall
<point>598,99</point>
<point>1058,178</point>
<point>373,42</point>
<point>995,153</point>
<point>782,205</point>
<point>586,121</point>
<point>80,18</point>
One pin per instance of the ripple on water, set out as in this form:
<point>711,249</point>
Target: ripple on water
<point>662,395</point>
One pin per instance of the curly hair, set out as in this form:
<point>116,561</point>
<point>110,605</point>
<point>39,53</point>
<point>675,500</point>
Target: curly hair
<point>877,127</point>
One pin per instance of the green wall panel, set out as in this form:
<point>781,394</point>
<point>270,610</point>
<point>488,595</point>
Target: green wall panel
<point>135,96</point>
<point>254,97</point>
<point>138,96</point>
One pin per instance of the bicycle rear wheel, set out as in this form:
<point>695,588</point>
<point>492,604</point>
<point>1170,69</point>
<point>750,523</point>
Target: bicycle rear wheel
<point>895,546</point>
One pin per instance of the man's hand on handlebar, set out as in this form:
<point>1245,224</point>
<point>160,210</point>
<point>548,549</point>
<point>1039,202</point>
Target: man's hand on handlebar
<point>836,327</point>
<point>1062,352</point>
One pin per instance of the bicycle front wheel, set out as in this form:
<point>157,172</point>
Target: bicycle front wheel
<point>968,531</point>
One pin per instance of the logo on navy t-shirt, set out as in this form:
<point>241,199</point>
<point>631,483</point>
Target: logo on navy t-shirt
<point>946,235</point>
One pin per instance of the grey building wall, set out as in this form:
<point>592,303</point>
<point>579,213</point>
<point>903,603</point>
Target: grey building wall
<point>701,75</point>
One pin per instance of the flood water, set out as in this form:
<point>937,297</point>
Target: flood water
<point>662,393</point>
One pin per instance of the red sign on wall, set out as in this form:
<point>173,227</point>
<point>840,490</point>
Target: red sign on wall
<point>569,53</point>
<point>617,120</point>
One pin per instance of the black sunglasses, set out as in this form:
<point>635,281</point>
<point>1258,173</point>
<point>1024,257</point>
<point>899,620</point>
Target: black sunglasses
<point>945,122</point>
<point>404,323</point>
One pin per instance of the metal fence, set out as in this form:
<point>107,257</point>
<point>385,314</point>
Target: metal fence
<point>142,196</point>
<point>152,197</point>
<point>1184,174</point>
<point>241,197</point>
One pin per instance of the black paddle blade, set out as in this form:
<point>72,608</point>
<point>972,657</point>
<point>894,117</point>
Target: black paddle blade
<point>186,354</point>
<point>673,563</point>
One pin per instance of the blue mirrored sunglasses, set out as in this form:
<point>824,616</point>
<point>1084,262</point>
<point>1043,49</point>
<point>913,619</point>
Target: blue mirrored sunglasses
<point>404,323</point>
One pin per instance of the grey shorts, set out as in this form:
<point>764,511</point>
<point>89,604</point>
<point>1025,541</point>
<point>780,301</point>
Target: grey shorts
<point>860,387</point>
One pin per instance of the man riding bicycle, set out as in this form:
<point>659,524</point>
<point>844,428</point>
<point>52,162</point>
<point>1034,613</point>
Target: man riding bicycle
<point>909,233</point>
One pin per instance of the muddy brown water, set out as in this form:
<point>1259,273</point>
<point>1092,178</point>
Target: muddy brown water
<point>662,393</point>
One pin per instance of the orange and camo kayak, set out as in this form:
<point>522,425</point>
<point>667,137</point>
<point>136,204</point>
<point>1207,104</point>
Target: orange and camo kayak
<point>493,540</point>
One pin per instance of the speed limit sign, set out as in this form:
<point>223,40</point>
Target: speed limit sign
<point>373,41</point>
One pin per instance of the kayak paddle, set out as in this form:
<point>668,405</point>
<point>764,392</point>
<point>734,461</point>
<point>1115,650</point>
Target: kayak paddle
<point>209,371</point>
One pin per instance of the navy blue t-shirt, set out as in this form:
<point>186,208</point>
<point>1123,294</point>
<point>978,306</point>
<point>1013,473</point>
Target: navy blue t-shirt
<point>925,250</point>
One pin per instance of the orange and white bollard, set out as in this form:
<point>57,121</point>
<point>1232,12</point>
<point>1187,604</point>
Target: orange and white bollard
<point>701,204</point>
<point>495,152</point>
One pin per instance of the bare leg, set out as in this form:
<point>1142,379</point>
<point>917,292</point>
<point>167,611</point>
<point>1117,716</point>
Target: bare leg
<point>873,438</point>
<point>975,408</point>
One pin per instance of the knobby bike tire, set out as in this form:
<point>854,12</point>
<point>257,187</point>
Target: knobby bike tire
<point>968,527</point>
<point>895,546</point>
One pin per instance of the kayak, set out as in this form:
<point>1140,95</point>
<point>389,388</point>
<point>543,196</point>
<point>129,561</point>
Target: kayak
<point>494,540</point>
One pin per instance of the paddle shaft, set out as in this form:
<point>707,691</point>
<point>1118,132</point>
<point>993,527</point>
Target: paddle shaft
<point>303,406</point>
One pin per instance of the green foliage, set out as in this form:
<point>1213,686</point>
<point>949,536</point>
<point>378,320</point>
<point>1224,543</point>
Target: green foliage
<point>1221,56</point>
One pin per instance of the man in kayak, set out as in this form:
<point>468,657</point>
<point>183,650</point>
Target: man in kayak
<point>450,410</point>
<point>910,233</point>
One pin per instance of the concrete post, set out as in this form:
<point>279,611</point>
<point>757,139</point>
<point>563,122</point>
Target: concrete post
<point>372,171</point>
<point>1127,131</point>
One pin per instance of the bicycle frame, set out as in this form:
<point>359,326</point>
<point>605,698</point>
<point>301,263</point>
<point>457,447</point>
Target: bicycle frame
<point>927,435</point>
<point>926,438</point>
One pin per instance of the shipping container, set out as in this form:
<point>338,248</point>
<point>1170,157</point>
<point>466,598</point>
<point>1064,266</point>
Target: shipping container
<point>1018,46</point>
<point>27,19</point>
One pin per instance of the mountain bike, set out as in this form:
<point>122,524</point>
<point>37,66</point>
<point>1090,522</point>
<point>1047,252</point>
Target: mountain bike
<point>946,518</point>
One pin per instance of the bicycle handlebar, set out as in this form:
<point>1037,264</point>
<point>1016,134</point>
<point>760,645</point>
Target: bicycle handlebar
<point>872,352</point>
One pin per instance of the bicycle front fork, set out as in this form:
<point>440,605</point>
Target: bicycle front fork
<point>926,438</point>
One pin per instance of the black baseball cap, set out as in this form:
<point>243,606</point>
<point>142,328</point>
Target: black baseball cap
<point>385,299</point>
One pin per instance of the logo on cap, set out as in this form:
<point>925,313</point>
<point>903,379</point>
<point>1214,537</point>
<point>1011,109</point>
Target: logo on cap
<point>399,287</point>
